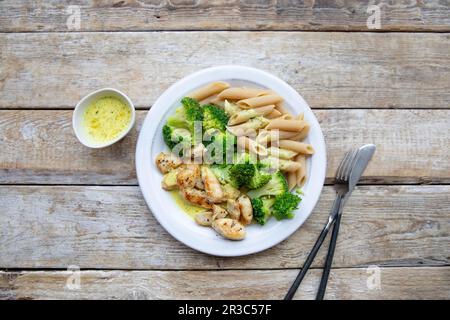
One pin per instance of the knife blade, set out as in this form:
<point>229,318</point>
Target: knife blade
<point>362,159</point>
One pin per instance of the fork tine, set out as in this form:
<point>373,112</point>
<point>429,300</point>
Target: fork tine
<point>341,165</point>
<point>349,165</point>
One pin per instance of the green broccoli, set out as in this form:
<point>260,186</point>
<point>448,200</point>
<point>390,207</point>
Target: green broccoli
<point>186,116</point>
<point>172,136</point>
<point>242,173</point>
<point>218,146</point>
<point>222,173</point>
<point>214,118</point>
<point>277,185</point>
<point>259,179</point>
<point>261,209</point>
<point>284,205</point>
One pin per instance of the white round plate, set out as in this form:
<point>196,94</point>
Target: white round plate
<point>161,203</point>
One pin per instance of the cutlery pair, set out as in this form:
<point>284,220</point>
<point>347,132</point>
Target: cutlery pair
<point>347,176</point>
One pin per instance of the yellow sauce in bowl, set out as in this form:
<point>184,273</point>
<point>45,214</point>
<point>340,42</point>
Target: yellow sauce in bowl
<point>106,118</point>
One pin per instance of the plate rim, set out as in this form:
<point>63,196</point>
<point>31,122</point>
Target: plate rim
<point>158,107</point>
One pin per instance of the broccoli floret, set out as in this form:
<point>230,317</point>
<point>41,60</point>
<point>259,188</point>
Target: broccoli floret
<point>276,186</point>
<point>218,146</point>
<point>172,136</point>
<point>261,209</point>
<point>284,205</point>
<point>186,116</point>
<point>242,173</point>
<point>214,118</point>
<point>167,135</point>
<point>194,112</point>
<point>222,173</point>
<point>259,179</point>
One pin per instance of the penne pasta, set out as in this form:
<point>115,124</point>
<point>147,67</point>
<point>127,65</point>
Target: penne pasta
<point>259,101</point>
<point>281,153</point>
<point>300,147</point>
<point>251,146</point>
<point>211,100</point>
<point>274,114</point>
<point>248,127</point>
<point>230,108</point>
<point>302,134</point>
<point>286,125</point>
<point>282,109</point>
<point>266,136</point>
<point>281,164</point>
<point>245,115</point>
<point>301,173</point>
<point>301,116</point>
<point>241,93</point>
<point>286,116</point>
<point>208,90</point>
<point>291,180</point>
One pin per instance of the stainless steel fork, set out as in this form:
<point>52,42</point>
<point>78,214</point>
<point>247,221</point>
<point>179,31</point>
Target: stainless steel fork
<point>344,183</point>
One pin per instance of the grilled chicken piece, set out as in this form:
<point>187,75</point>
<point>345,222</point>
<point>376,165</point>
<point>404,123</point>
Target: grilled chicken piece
<point>233,209</point>
<point>218,212</point>
<point>212,185</point>
<point>197,197</point>
<point>204,218</point>
<point>169,181</point>
<point>246,209</point>
<point>188,176</point>
<point>167,161</point>
<point>229,228</point>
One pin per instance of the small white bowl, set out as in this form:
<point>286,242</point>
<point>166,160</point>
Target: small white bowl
<point>78,114</point>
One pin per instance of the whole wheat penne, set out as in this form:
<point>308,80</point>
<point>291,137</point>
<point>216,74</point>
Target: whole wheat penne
<point>266,136</point>
<point>247,114</point>
<point>209,99</point>
<point>250,126</point>
<point>230,108</point>
<point>281,153</point>
<point>282,108</point>
<point>301,173</point>
<point>300,147</point>
<point>208,90</point>
<point>286,125</point>
<point>251,146</point>
<point>291,180</point>
<point>302,134</point>
<point>241,93</point>
<point>281,164</point>
<point>286,116</point>
<point>274,114</point>
<point>260,101</point>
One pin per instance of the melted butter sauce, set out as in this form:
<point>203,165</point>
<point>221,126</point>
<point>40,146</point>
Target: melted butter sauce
<point>188,208</point>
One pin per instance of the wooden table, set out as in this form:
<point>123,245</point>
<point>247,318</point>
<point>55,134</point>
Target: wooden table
<point>63,206</point>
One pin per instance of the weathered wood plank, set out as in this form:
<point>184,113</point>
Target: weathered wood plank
<point>93,227</point>
<point>395,283</point>
<point>430,15</point>
<point>39,147</point>
<point>331,70</point>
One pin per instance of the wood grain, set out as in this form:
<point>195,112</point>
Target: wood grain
<point>111,228</point>
<point>39,147</point>
<point>395,283</point>
<point>331,70</point>
<point>103,15</point>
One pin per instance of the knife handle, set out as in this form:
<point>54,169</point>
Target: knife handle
<point>315,249</point>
